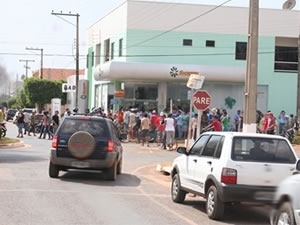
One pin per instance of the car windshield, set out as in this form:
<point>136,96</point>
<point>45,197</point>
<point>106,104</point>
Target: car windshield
<point>262,150</point>
<point>95,128</point>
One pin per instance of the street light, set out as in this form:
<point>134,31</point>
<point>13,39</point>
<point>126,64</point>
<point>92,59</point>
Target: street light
<point>39,49</point>
<point>77,49</point>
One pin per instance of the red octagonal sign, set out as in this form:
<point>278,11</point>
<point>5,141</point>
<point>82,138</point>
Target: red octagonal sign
<point>201,100</point>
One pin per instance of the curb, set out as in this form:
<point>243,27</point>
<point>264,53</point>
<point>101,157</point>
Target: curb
<point>12,145</point>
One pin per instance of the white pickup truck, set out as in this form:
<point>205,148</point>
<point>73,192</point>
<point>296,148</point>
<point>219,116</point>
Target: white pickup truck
<point>232,167</point>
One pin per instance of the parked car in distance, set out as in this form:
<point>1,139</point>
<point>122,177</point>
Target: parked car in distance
<point>287,202</point>
<point>87,143</point>
<point>10,114</point>
<point>29,110</point>
<point>232,167</point>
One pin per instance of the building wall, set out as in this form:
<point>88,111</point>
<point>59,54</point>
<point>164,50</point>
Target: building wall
<point>149,40</point>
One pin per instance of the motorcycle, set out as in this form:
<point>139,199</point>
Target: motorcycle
<point>3,129</point>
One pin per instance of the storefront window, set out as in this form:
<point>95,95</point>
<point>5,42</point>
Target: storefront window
<point>142,96</point>
<point>178,93</point>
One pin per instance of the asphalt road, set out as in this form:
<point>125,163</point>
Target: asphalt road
<point>141,195</point>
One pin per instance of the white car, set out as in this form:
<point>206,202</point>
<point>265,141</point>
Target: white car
<point>287,202</point>
<point>232,167</point>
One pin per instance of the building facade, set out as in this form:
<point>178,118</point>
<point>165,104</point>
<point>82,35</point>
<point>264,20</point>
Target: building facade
<point>142,53</point>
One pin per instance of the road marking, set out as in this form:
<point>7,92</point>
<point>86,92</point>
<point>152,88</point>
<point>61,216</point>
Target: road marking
<point>151,196</point>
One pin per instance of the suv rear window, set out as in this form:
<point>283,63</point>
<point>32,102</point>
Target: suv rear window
<point>94,127</point>
<point>262,150</point>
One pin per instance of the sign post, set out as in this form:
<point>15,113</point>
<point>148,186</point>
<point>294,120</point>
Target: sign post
<point>195,82</point>
<point>201,101</point>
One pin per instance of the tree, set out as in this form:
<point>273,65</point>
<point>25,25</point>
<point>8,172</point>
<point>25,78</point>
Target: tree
<point>12,103</point>
<point>41,91</point>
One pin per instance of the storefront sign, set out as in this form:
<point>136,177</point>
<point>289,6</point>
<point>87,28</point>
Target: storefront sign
<point>174,72</point>
<point>119,94</point>
<point>187,73</point>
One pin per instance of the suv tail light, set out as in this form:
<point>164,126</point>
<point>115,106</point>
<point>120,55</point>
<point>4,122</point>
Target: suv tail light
<point>54,142</point>
<point>229,176</point>
<point>110,146</point>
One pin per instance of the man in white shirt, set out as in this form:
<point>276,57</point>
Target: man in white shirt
<point>26,122</point>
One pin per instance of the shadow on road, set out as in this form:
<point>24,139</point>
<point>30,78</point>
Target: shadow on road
<point>97,178</point>
<point>242,214</point>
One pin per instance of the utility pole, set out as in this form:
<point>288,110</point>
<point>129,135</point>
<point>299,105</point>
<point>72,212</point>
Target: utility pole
<point>26,65</point>
<point>249,114</point>
<point>39,49</point>
<point>77,50</point>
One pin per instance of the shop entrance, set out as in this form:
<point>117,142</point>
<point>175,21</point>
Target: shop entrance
<point>141,96</point>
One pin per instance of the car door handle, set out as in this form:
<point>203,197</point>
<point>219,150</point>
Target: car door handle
<point>195,160</point>
<point>209,162</point>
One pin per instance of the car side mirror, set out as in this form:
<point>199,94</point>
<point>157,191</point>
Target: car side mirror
<point>181,150</point>
<point>298,165</point>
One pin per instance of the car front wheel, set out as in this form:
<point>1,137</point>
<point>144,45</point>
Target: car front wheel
<point>178,195</point>
<point>284,215</point>
<point>214,205</point>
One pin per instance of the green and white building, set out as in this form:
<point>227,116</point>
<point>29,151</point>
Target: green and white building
<point>142,54</point>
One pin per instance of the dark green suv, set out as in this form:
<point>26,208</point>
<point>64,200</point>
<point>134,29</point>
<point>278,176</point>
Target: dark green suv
<point>87,143</point>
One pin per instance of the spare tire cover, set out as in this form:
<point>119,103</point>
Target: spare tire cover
<point>81,145</point>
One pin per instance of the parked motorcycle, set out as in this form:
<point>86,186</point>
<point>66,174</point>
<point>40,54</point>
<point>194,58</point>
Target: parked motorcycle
<point>3,129</point>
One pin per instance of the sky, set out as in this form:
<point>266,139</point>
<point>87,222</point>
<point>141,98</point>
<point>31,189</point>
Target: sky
<point>30,24</point>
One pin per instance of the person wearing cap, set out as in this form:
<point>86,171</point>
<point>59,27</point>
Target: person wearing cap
<point>153,119</point>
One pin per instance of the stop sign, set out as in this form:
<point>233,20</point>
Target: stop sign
<point>201,100</point>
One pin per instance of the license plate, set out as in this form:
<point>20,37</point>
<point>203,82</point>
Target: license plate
<point>79,164</point>
<point>263,195</point>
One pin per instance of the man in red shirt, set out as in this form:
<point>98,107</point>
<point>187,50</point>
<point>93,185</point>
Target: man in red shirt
<point>215,125</point>
<point>160,128</point>
<point>153,119</point>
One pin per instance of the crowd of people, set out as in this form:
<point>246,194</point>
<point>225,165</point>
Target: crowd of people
<point>166,127</point>
<point>27,124</point>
